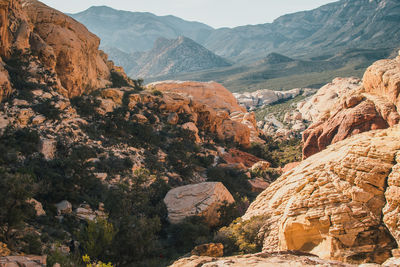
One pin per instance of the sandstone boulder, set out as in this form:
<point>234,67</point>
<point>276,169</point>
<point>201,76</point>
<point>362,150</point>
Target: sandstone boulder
<point>331,204</point>
<point>24,261</point>
<point>202,199</point>
<point>361,117</point>
<point>37,206</point>
<point>64,207</point>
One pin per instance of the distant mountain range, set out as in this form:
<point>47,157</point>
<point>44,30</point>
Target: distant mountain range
<point>320,34</point>
<point>168,57</point>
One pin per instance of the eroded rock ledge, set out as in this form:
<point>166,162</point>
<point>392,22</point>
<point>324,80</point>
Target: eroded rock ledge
<point>332,204</point>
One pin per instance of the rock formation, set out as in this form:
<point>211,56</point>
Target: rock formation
<point>215,107</point>
<point>332,204</point>
<point>61,45</point>
<point>197,200</point>
<point>282,259</point>
<point>369,107</point>
<point>208,93</point>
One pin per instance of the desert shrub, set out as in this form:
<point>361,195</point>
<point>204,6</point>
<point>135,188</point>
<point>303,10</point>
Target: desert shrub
<point>192,231</point>
<point>157,93</point>
<point>13,142</point>
<point>32,244</point>
<point>15,190</point>
<point>47,109</point>
<point>118,80</point>
<point>85,106</point>
<point>96,239</point>
<point>65,260</point>
<point>234,180</point>
<point>229,212</point>
<point>241,236</point>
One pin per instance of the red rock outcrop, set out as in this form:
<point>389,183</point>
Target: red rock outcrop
<point>369,107</point>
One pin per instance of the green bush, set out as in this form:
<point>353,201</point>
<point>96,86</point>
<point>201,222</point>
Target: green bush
<point>96,239</point>
<point>192,231</point>
<point>15,190</point>
<point>48,110</point>
<point>234,180</point>
<point>118,80</point>
<point>242,237</point>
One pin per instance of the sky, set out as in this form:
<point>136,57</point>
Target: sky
<point>216,13</point>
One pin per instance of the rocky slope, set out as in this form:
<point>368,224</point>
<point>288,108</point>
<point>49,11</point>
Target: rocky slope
<point>169,57</point>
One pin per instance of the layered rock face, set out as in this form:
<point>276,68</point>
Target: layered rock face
<point>197,200</point>
<point>62,46</point>
<point>371,106</point>
<point>215,108</point>
<point>332,204</point>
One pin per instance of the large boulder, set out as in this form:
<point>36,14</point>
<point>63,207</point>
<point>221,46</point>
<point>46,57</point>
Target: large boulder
<point>332,204</point>
<point>202,199</point>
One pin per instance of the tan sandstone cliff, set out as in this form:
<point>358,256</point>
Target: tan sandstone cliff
<point>333,204</point>
<point>62,46</point>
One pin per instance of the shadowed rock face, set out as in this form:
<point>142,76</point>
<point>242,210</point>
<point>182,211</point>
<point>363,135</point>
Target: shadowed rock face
<point>371,106</point>
<point>332,204</point>
<point>58,44</point>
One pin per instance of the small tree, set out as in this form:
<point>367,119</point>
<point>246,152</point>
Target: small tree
<point>96,238</point>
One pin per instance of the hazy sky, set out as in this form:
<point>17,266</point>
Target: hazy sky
<point>216,13</point>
